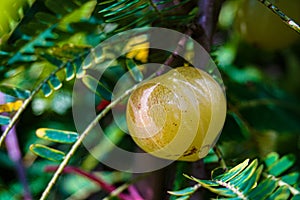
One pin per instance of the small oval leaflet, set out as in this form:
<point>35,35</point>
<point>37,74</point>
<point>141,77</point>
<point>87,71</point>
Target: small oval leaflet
<point>15,92</point>
<point>46,89</point>
<point>11,106</point>
<point>55,135</point>
<point>184,192</point>
<point>55,82</point>
<point>4,120</point>
<point>97,87</point>
<point>47,152</point>
<point>70,71</point>
<point>134,70</point>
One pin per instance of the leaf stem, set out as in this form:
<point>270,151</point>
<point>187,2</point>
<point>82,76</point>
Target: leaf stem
<point>75,146</point>
<point>26,103</point>
<point>219,154</point>
<point>293,190</point>
<point>80,140</point>
<point>288,21</point>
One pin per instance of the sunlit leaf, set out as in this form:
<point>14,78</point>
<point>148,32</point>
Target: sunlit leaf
<point>57,135</point>
<point>183,192</point>
<point>245,175</point>
<point>47,152</point>
<point>11,106</point>
<point>232,172</point>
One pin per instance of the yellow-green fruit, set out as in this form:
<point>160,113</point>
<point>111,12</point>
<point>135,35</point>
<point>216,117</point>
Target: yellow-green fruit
<point>178,115</point>
<point>262,28</point>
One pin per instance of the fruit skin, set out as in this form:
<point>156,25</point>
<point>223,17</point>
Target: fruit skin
<point>261,27</point>
<point>178,115</point>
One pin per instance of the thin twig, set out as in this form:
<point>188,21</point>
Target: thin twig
<point>26,103</point>
<point>220,157</point>
<point>73,149</point>
<point>287,20</point>
<point>14,152</point>
<point>67,158</point>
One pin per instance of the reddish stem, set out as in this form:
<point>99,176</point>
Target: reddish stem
<point>105,186</point>
<point>102,105</point>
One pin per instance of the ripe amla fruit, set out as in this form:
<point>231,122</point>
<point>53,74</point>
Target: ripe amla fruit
<point>178,115</point>
<point>261,27</point>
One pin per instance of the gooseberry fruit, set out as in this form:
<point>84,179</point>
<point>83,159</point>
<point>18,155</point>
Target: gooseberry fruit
<point>261,27</point>
<point>178,115</point>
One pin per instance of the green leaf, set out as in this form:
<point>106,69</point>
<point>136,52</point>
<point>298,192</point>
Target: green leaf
<point>281,165</point>
<point>297,197</point>
<point>57,135</point>
<point>120,9</point>
<point>271,158</point>
<point>97,87</point>
<point>4,120</point>
<point>126,14</point>
<point>15,92</point>
<point>184,192</point>
<point>70,71</point>
<point>263,190</point>
<point>282,192</point>
<point>81,13</point>
<point>46,89</point>
<point>224,191</point>
<point>183,198</point>
<point>134,71</point>
<point>112,6</point>
<point>202,182</point>
<point>47,152</point>
<point>291,178</point>
<point>245,175</point>
<point>55,82</point>
<point>25,53</point>
<point>252,181</point>
<point>241,123</point>
<point>232,172</point>
<point>53,60</point>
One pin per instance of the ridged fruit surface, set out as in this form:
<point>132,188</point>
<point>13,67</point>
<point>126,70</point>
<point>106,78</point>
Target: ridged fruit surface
<point>178,115</point>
